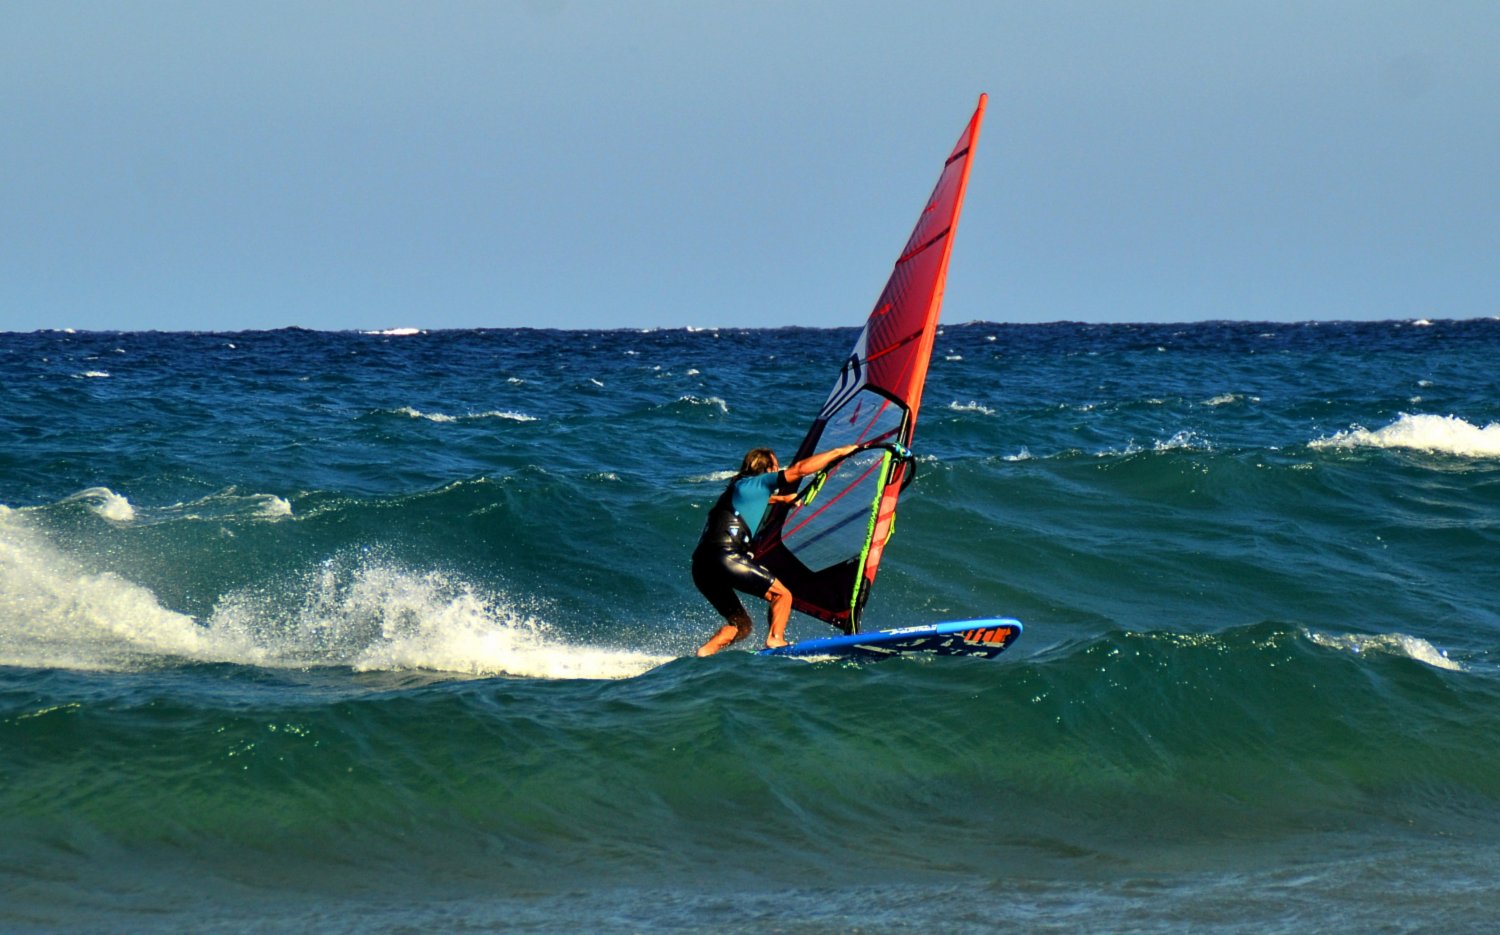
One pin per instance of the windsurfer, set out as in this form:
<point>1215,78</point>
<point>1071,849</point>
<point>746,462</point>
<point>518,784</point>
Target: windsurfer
<point>723,562</point>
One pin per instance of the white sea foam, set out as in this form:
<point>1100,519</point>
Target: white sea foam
<point>971,406</point>
<point>429,416</point>
<point>273,507</point>
<point>56,612</point>
<point>508,415</point>
<point>1421,323</point>
<point>95,374</point>
<point>1226,399</point>
<point>444,417</point>
<point>1023,455</point>
<point>1181,441</point>
<point>714,477</point>
<point>1394,644</point>
<point>375,616</point>
<point>104,503</point>
<point>713,401</point>
<point>396,332</point>
<point>226,505</point>
<point>1438,434</point>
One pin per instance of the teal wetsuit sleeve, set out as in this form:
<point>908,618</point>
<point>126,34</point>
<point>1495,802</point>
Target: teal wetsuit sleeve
<point>753,494</point>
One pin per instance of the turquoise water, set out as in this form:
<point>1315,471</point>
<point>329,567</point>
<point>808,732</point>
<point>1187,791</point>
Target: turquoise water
<point>391,632</point>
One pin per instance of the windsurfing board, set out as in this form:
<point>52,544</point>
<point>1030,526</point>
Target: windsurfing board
<point>983,638</point>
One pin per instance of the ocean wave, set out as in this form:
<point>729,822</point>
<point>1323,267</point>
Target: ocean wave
<point>1184,440</point>
<point>1431,433</point>
<point>377,616</point>
<point>56,613</point>
<point>272,506</point>
<point>717,477</point>
<point>1394,644</point>
<point>971,406</point>
<point>223,505</point>
<point>509,415</point>
<point>1179,441</point>
<point>1226,399</point>
<point>104,503</point>
<point>714,401</point>
<point>354,611</point>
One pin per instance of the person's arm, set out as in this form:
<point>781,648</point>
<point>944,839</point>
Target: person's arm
<point>812,464</point>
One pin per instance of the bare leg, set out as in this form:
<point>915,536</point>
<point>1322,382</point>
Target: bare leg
<point>777,615</point>
<point>735,630</point>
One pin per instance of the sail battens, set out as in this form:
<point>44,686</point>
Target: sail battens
<point>829,556</point>
<point>925,246</point>
<point>895,346</point>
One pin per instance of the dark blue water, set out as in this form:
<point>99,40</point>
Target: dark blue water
<point>375,632</point>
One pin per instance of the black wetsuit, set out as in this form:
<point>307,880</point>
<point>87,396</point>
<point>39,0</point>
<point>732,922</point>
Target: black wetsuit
<point>723,563</point>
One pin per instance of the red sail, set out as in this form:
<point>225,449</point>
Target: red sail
<point>828,547</point>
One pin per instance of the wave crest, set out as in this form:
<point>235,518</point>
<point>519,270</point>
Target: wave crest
<point>353,611</point>
<point>1438,434</point>
<point>104,503</point>
<point>441,417</point>
<point>1394,644</point>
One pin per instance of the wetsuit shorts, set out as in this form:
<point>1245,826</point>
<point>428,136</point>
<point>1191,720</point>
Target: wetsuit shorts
<point>722,564</point>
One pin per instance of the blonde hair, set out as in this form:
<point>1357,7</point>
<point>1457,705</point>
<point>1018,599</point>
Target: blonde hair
<point>757,461</point>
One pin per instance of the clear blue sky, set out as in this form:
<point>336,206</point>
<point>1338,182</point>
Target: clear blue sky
<point>225,165</point>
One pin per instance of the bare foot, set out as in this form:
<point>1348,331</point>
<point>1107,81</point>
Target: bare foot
<point>773,642</point>
<point>726,636</point>
<point>712,646</point>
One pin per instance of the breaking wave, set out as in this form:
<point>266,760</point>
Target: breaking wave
<point>1431,433</point>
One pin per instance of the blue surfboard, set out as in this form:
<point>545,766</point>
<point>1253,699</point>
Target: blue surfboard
<point>984,638</point>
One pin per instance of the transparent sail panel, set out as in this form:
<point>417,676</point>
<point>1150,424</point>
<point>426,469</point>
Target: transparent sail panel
<point>833,527</point>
